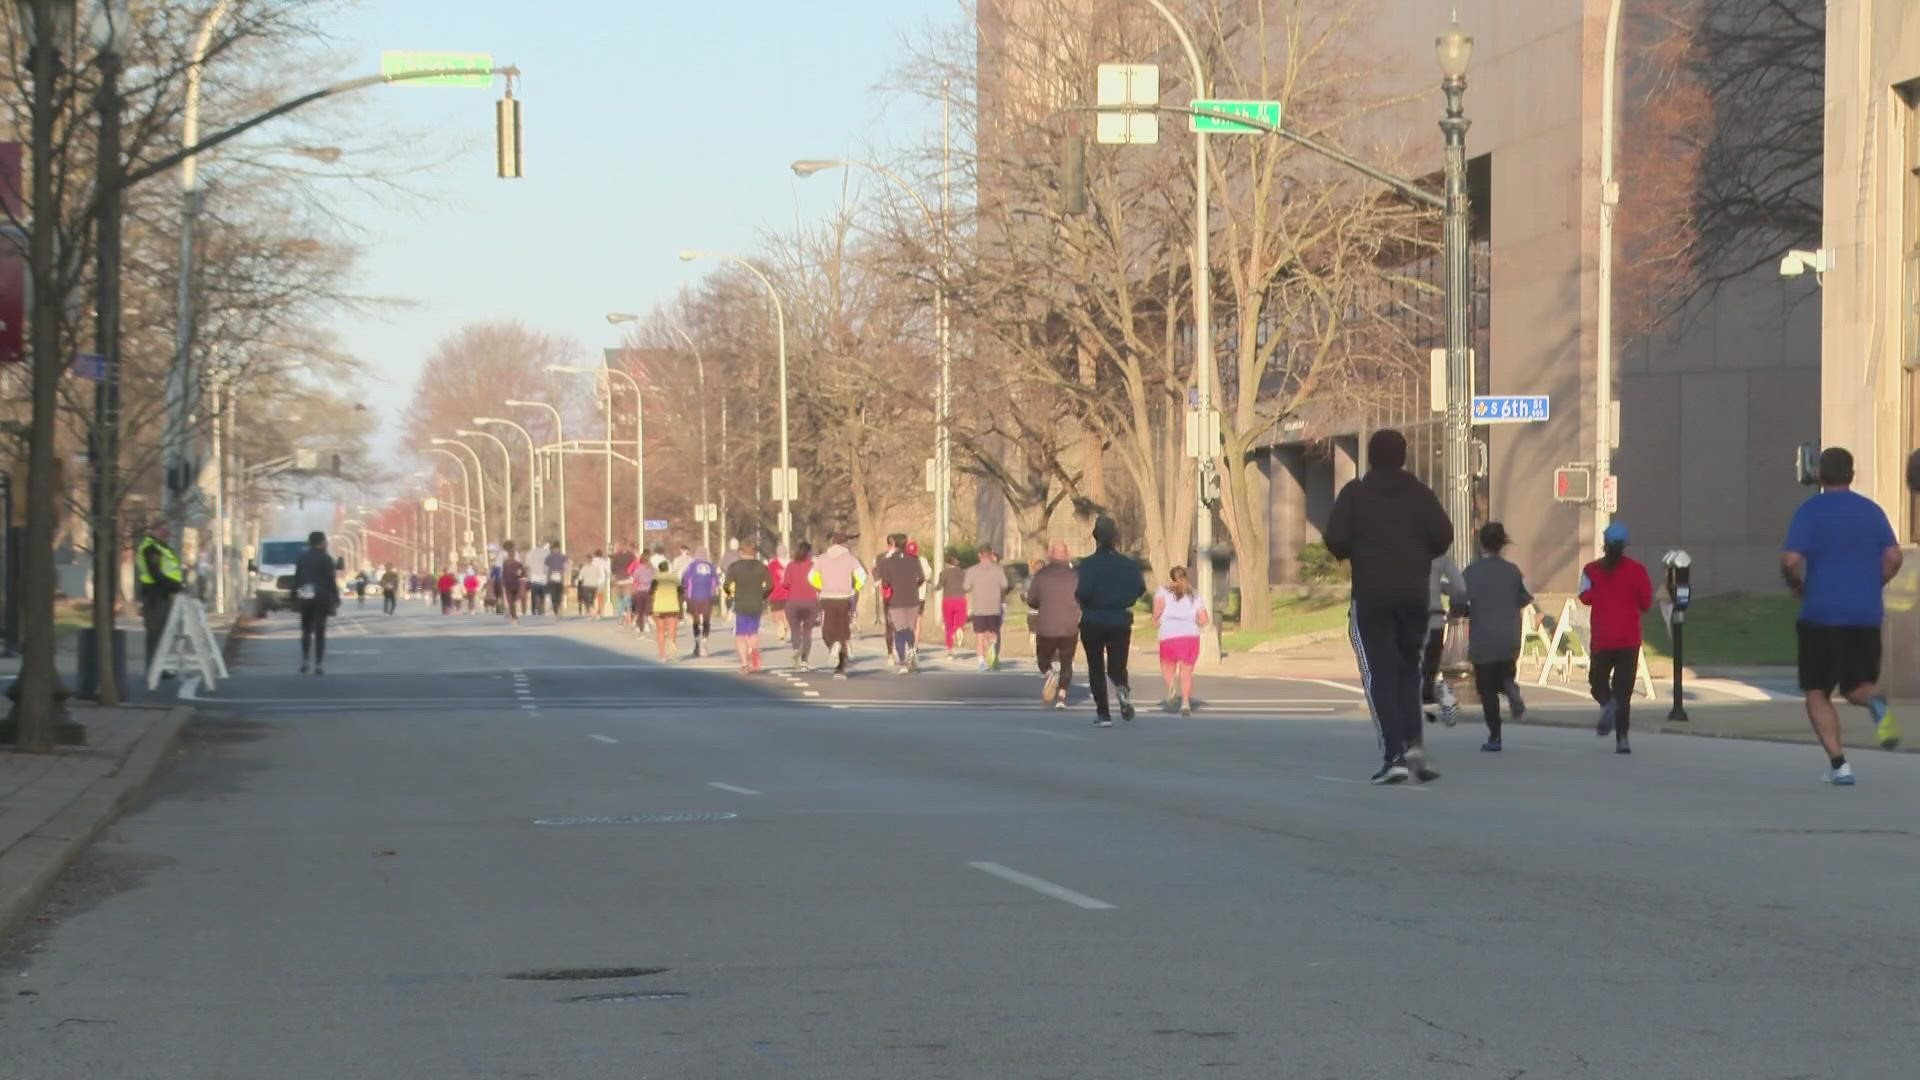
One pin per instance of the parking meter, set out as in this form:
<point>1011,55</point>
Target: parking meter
<point>1679,566</point>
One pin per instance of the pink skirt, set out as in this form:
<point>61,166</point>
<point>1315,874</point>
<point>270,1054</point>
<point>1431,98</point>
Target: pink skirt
<point>1180,650</point>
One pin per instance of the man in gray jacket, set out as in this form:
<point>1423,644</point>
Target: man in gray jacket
<point>987,605</point>
<point>1056,622</point>
<point>1446,599</point>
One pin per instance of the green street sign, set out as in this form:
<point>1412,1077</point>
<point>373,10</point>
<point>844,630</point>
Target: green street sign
<point>1267,112</point>
<point>474,69</point>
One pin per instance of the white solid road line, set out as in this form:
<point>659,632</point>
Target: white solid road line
<point>735,789</point>
<point>1335,779</point>
<point>604,738</point>
<point>811,693</point>
<point>1042,886</point>
<point>1335,685</point>
<point>1051,734</point>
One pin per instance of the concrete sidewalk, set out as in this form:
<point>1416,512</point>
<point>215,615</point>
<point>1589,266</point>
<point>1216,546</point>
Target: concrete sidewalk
<point>53,805</point>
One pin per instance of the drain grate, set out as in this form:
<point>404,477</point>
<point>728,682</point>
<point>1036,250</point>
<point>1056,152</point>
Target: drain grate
<point>627,995</point>
<point>668,817</point>
<point>583,974</point>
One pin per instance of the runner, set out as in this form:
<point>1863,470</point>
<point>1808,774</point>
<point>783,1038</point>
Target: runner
<point>447,584</point>
<point>1839,555</point>
<point>318,591</point>
<point>1620,592</point>
<point>777,603</point>
<point>1108,584</point>
<point>598,578</point>
<point>663,599</point>
<point>556,579</point>
<point>681,561</point>
<point>389,590</point>
<point>640,580</point>
<point>620,569</point>
<point>953,601</point>
<point>748,585</point>
<point>1180,614</point>
<point>987,589</point>
<point>1444,584</point>
<point>1497,595</point>
<point>839,577</point>
<point>513,580</point>
<point>470,585</point>
<point>926,583</point>
<point>1056,623</point>
<point>1392,528</point>
<point>900,581</point>
<point>537,579</point>
<point>700,583</point>
<point>803,604</point>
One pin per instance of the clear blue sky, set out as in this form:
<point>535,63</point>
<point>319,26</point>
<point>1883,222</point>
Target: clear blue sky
<point>650,126</point>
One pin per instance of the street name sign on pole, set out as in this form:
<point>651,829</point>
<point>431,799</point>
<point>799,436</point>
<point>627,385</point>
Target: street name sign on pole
<point>1510,408</point>
<point>90,366</point>
<point>655,525</point>
<point>477,68</point>
<point>1267,112</point>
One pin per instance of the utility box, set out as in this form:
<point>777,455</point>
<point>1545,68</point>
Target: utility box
<point>89,664</point>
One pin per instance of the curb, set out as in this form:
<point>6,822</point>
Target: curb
<point>32,866</point>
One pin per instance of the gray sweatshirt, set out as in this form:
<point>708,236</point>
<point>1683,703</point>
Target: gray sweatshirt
<point>1443,578</point>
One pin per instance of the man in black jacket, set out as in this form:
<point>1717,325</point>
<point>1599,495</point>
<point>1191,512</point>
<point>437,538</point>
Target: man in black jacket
<point>318,593</point>
<point>1107,586</point>
<point>1392,527</point>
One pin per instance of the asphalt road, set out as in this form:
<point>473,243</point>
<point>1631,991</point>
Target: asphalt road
<point>931,876</point>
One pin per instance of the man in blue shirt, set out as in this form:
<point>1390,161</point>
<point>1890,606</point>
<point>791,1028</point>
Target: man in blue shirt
<point>1839,555</point>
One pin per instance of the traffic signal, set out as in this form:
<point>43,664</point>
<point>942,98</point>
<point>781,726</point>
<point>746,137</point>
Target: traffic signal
<point>1573,484</point>
<point>506,136</point>
<point>1073,176</point>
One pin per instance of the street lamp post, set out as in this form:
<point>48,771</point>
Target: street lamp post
<point>560,463</point>
<point>506,459</point>
<point>1454,49</point>
<point>466,485</point>
<point>942,454</point>
<point>106,399</point>
<point>780,316</point>
<point>639,447</point>
<point>533,473</point>
<point>480,484</point>
<point>1202,340</point>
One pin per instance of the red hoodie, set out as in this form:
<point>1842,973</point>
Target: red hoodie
<point>1618,599</point>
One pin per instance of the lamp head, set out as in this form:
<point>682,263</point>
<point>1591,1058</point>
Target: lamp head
<point>1454,48</point>
<point>690,254</point>
<point>111,22</point>
<point>516,403</point>
<point>59,27</point>
<point>465,433</point>
<point>809,166</point>
<point>325,155</point>
<point>618,317</point>
<point>437,441</point>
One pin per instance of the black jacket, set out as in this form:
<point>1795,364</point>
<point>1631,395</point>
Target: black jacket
<point>1109,585</point>
<point>315,568</point>
<point>1392,526</point>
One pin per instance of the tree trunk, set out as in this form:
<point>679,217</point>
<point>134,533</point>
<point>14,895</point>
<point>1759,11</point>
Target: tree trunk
<point>1247,527</point>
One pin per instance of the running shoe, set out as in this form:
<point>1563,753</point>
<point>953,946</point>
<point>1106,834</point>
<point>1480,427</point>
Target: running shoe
<point>1391,773</point>
<point>303,667</point>
<point>1621,747</point>
<point>1186,708</point>
<point>1513,698</point>
<point>1491,746</point>
<point>318,670</point>
<point>1449,706</point>
<point>1885,728</point>
<point>1170,703</point>
<point>1050,689</point>
<point>913,660</point>
<point>1840,777</point>
<point>1605,727</point>
<point>839,673</point>
<point>983,663</point>
<point>1126,701</point>
<point>1103,721</point>
<point>1422,766</point>
<point>1060,703</point>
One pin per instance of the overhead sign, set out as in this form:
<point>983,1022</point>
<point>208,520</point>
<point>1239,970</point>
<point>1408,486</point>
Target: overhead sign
<point>1510,408</point>
<point>1267,112</point>
<point>1127,85</point>
<point>472,70</point>
<point>655,525</point>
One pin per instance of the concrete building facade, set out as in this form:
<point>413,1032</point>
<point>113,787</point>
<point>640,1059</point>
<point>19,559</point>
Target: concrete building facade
<point>1870,297</point>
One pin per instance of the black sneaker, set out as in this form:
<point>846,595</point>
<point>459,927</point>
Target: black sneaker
<point>1393,772</point>
<point>318,670</point>
<point>1421,765</point>
<point>1621,747</point>
<point>1126,702</point>
<point>1103,721</point>
<point>303,667</point>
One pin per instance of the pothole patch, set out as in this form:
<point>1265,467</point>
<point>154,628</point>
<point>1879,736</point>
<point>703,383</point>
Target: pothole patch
<point>667,817</point>
<point>626,995</point>
<point>585,974</point>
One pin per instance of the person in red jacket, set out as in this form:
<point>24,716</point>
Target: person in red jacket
<point>1619,592</point>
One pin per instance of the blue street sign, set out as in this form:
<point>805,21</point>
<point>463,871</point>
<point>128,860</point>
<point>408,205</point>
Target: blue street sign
<point>90,366</point>
<point>1510,408</point>
<point>656,525</point>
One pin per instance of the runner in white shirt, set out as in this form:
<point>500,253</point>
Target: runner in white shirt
<point>1180,614</point>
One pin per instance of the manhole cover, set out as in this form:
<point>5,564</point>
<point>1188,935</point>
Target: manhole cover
<point>669,817</point>
<point>582,974</point>
<point>627,995</point>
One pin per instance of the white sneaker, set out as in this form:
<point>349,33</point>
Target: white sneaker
<point>1840,777</point>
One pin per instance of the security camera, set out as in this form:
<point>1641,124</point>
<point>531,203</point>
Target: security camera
<point>1799,262</point>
